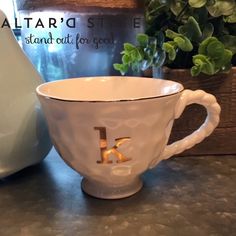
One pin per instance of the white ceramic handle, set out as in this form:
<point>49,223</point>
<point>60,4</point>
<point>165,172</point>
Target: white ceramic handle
<point>213,116</point>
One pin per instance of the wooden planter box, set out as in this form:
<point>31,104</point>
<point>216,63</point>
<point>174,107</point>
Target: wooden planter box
<point>78,4</point>
<point>223,86</point>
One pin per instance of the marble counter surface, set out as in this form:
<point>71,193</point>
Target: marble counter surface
<point>182,196</point>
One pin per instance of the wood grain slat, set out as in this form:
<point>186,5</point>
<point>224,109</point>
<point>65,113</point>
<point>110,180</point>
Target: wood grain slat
<point>217,84</point>
<point>76,4</point>
<point>221,142</point>
<point>194,115</point>
<point>223,86</point>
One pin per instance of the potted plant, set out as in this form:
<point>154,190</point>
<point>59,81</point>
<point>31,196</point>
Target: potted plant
<point>195,40</point>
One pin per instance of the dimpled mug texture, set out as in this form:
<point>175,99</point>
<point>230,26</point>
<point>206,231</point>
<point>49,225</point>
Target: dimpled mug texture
<point>110,129</point>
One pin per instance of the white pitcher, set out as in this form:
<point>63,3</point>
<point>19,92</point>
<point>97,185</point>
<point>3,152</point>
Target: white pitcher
<point>24,138</point>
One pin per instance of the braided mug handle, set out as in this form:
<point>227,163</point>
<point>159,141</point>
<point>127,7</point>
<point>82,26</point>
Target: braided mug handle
<point>213,116</point>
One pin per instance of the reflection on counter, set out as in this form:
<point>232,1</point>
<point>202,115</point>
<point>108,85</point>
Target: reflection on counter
<point>183,196</point>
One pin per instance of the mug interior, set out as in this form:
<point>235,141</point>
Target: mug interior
<point>110,88</point>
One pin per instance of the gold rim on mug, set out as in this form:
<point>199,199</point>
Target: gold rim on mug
<point>39,88</point>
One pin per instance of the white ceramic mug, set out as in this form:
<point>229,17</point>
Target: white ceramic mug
<point>112,129</point>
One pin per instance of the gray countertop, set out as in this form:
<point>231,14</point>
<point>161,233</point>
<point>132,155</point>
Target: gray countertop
<point>182,196</point>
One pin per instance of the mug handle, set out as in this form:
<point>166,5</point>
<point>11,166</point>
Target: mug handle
<point>189,97</point>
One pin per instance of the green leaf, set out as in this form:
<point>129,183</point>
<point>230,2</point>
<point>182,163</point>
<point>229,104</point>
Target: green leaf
<point>227,60</point>
<point>141,52</point>
<point>129,47</point>
<point>171,34</point>
<point>224,63</point>
<point>222,7</point>
<point>126,59</point>
<point>196,70</point>
<point>191,29</point>
<point>184,43</point>
<point>135,67</point>
<point>181,41</point>
<point>197,3</point>
<point>142,39</point>
<point>117,66</point>
<point>215,50</point>
<point>203,46</point>
<point>231,18</point>
<point>228,56</point>
<point>170,49</point>
<point>155,7</point>
<point>135,55</point>
<point>230,42</point>
<point>139,57</point>
<point>207,31</point>
<point>122,68</point>
<point>212,57</point>
<point>177,6</point>
<point>206,66</point>
<point>200,15</point>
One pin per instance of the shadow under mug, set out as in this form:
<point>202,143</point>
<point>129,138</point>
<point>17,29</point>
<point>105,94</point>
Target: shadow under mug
<point>112,129</point>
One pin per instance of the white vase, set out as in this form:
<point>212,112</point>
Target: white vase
<point>24,139</point>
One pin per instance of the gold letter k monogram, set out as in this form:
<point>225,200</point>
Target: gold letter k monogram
<point>105,152</point>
